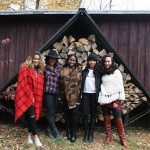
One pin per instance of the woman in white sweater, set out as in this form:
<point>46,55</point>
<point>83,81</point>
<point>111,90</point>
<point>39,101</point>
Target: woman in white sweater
<point>110,97</point>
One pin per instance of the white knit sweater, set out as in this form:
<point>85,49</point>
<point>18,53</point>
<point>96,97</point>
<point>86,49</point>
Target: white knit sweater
<point>111,88</point>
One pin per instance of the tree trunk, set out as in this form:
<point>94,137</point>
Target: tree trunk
<point>37,4</point>
<point>110,4</point>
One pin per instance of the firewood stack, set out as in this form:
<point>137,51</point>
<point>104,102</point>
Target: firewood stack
<point>134,96</point>
<point>82,48</point>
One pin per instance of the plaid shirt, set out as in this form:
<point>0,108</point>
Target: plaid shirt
<point>51,79</point>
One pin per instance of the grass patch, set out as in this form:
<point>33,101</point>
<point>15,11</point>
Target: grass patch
<point>14,138</point>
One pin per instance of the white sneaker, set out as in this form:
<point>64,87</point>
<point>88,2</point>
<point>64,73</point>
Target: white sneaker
<point>37,141</point>
<point>29,139</point>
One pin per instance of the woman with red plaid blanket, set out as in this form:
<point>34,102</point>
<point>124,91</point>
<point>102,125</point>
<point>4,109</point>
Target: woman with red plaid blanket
<point>29,94</point>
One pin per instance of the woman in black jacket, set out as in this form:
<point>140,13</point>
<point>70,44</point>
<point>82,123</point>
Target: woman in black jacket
<point>90,89</point>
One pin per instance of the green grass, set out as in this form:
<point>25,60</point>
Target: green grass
<point>14,138</point>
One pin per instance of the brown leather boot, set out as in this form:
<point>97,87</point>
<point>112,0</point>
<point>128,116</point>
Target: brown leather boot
<point>107,123</point>
<point>121,132</point>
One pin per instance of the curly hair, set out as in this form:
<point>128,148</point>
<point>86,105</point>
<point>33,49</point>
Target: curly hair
<point>29,61</point>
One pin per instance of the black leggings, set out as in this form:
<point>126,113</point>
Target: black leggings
<point>89,104</point>
<point>117,113</point>
<point>51,103</point>
<point>30,113</point>
<point>71,117</point>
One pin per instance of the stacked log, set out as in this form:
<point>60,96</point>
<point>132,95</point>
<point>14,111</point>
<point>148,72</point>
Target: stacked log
<point>82,48</point>
<point>134,96</point>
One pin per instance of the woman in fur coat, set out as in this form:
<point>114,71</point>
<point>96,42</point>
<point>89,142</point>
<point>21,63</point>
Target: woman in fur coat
<point>29,94</point>
<point>110,97</point>
<point>70,83</point>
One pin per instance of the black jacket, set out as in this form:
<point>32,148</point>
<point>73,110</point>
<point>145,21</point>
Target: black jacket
<point>97,81</point>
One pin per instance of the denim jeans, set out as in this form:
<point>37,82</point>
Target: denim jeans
<point>51,103</point>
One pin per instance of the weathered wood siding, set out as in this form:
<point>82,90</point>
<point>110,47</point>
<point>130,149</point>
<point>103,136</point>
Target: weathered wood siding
<point>128,34</point>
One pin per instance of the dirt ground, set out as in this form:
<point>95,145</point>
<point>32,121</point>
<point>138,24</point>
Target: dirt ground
<point>14,138</point>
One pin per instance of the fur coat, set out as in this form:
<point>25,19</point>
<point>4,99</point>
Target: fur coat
<point>70,82</point>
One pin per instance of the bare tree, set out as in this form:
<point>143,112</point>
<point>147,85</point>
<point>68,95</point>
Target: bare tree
<point>23,7</point>
<point>110,4</point>
<point>101,4</point>
<point>105,4</point>
<point>37,4</point>
<point>80,2</point>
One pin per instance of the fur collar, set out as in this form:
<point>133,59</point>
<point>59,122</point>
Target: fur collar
<point>110,70</point>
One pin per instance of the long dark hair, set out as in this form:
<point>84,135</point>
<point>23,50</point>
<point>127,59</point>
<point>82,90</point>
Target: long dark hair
<point>95,70</point>
<point>112,68</point>
<point>67,60</point>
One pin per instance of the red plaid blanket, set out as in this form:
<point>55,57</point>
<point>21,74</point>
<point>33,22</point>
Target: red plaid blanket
<point>29,91</point>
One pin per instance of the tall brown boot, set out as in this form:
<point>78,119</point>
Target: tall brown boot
<point>107,123</point>
<point>121,132</point>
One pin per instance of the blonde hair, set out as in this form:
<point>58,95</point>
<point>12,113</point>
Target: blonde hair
<point>29,61</point>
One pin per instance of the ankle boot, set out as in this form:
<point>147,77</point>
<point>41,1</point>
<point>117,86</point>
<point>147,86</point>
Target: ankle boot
<point>29,138</point>
<point>56,135</point>
<point>86,130</point>
<point>90,136</point>
<point>107,123</point>
<point>86,135</point>
<point>121,132</point>
<point>68,135</point>
<point>91,130</point>
<point>73,137</point>
<point>37,141</point>
<point>48,132</point>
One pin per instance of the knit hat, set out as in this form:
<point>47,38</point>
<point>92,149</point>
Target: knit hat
<point>92,56</point>
<point>52,54</point>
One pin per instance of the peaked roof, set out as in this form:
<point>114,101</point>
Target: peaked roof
<point>82,25</point>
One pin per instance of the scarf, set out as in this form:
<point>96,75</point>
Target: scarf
<point>111,88</point>
<point>109,70</point>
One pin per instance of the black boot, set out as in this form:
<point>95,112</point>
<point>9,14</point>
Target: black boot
<point>67,126</point>
<point>68,134</point>
<point>90,136</point>
<point>86,130</point>
<point>56,135</point>
<point>92,125</point>
<point>73,137</point>
<point>48,132</point>
<point>86,135</point>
